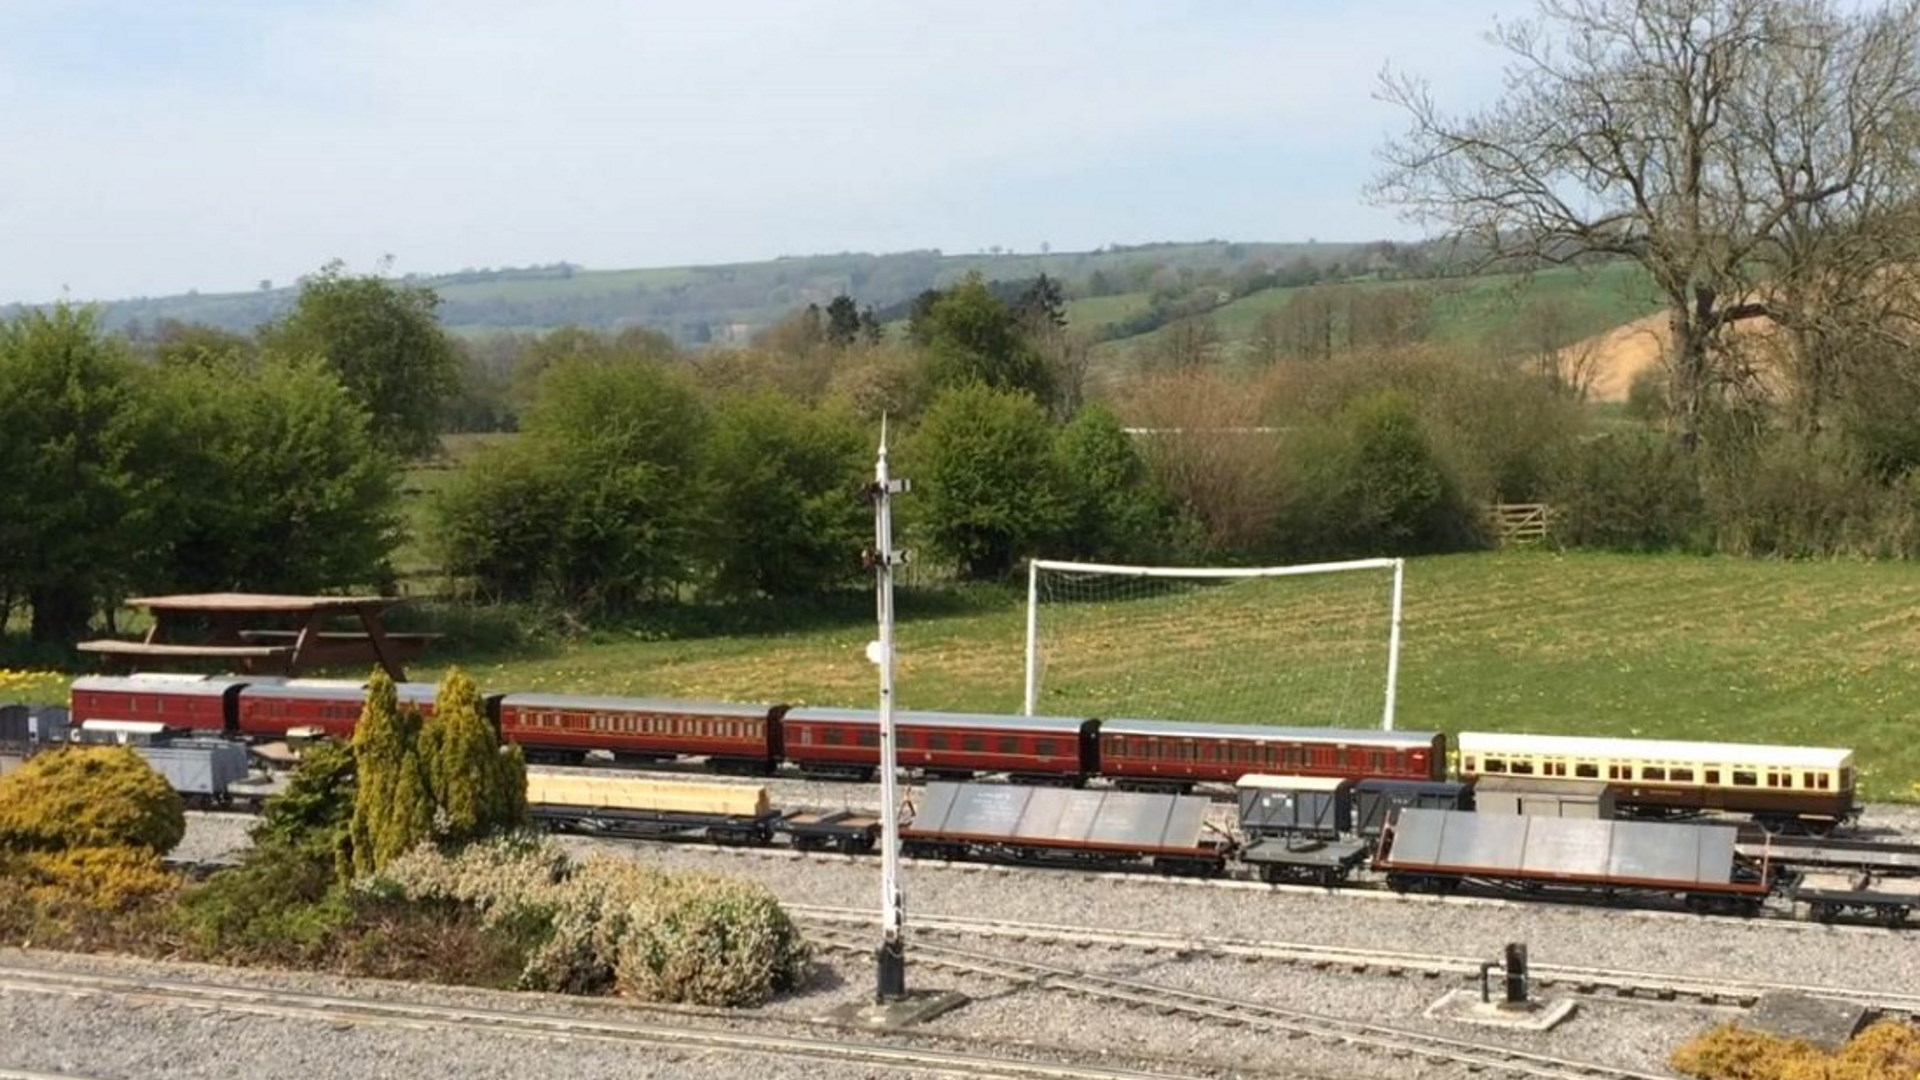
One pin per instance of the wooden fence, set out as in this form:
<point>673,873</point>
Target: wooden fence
<point>1521,523</point>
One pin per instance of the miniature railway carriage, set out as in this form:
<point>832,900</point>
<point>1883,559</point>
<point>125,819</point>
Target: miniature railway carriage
<point>733,738</point>
<point>1808,787</point>
<point>179,702</point>
<point>1032,749</point>
<point>1168,755</point>
<point>325,707</point>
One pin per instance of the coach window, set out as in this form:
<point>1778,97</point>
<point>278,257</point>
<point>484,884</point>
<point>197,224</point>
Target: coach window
<point>1494,764</point>
<point>1652,772</point>
<point>1377,761</point>
<point>831,736</point>
<point>973,744</point>
<point>1683,776</point>
<point>1713,776</point>
<point>1619,772</point>
<point>868,737</point>
<point>1521,768</point>
<point>1009,744</point>
<point>1745,779</point>
<point>937,742</point>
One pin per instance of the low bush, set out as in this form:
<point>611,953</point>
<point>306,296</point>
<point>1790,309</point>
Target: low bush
<point>1885,1051</point>
<point>282,905</point>
<point>89,797</point>
<point>610,925</point>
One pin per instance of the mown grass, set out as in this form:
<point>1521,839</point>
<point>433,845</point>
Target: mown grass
<point>1649,646</point>
<point>1681,647</point>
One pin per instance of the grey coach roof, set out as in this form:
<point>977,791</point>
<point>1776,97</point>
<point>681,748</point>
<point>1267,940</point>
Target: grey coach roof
<point>201,686</point>
<point>1061,725</point>
<point>1399,740</point>
<point>634,705</point>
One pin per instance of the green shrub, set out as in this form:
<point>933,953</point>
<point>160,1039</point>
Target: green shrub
<point>708,941</point>
<point>1630,490</point>
<point>610,924</point>
<point>89,797</point>
<point>282,905</point>
<point>1371,483</point>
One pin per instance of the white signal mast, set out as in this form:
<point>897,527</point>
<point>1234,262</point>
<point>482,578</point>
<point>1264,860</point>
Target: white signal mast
<point>892,956</point>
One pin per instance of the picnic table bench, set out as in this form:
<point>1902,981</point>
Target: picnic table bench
<point>237,636</point>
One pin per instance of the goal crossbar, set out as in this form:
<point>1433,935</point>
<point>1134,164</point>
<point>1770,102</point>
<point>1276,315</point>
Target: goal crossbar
<point>1035,566</point>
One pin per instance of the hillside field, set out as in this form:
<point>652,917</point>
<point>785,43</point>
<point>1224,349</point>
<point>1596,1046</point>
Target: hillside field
<point>1651,646</point>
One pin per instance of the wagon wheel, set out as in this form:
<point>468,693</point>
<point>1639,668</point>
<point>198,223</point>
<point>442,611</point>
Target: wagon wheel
<point>1818,829</point>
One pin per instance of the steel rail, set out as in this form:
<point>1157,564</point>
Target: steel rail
<point>1384,1038</point>
<point>285,1004</point>
<point>1585,980</point>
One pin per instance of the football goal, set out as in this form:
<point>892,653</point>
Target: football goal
<point>1315,645</point>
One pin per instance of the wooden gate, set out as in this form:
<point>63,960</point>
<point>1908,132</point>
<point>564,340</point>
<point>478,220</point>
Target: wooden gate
<point>1521,523</point>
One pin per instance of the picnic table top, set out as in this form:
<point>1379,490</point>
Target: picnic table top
<point>259,602</point>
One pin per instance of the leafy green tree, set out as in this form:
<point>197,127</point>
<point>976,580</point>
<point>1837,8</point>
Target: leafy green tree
<point>471,780</point>
<point>392,803</point>
<point>1113,510</point>
<point>599,505</point>
<point>988,490</point>
<point>386,344</point>
<point>273,480</point>
<point>73,511</point>
<point>175,343</point>
<point>1371,483</point>
<point>971,336</point>
<point>787,515</point>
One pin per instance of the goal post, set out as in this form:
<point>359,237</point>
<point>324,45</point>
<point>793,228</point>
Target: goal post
<point>1371,610</point>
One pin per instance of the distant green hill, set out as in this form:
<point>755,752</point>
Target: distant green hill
<point>698,304</point>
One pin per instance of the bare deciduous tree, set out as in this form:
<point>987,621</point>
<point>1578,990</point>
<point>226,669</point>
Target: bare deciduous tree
<point>1734,148</point>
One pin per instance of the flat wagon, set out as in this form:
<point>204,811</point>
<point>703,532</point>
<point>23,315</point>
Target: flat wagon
<point>1441,850</point>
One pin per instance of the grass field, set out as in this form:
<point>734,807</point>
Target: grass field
<point>1651,646</point>
<point>1668,647</point>
<point>1483,311</point>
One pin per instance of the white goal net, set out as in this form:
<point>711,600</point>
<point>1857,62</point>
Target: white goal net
<point>1302,646</point>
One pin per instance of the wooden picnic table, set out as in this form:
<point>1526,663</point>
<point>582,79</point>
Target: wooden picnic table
<point>240,632</point>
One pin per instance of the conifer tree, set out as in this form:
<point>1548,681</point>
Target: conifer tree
<point>477,789</point>
<point>392,804</point>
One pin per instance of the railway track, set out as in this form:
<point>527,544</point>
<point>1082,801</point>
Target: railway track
<point>1585,981</point>
<point>283,1004</point>
<point>1399,1043</point>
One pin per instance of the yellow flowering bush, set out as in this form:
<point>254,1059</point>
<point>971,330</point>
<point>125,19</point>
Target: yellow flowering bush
<point>33,686</point>
<point>1888,1050</point>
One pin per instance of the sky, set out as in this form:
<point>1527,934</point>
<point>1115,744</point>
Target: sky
<point>157,146</point>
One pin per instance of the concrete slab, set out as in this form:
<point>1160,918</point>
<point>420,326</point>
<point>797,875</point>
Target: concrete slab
<point>1465,1006</point>
<point>1824,1022</point>
<point>918,1007</point>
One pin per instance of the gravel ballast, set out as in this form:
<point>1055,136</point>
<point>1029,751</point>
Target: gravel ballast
<point>109,1038</point>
